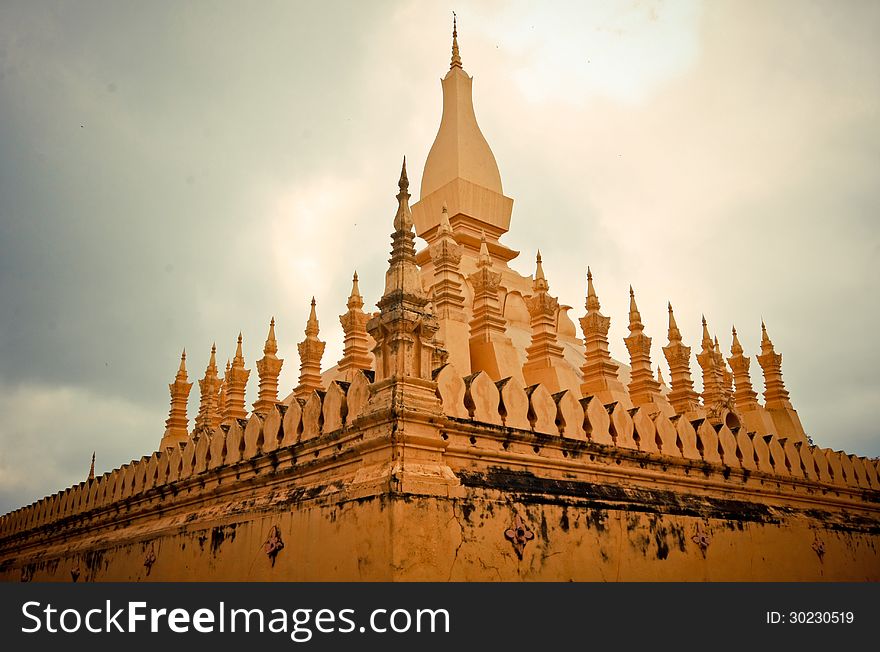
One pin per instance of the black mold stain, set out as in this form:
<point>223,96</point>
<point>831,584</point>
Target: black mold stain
<point>533,489</point>
<point>467,508</point>
<point>563,521</point>
<point>662,546</point>
<point>220,534</point>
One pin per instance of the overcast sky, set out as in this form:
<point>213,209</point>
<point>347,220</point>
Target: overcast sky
<point>174,172</point>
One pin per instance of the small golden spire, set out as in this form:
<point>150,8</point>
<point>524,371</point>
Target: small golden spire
<point>674,333</point>
<point>92,468</point>
<point>635,318</point>
<point>310,351</point>
<point>355,352</point>
<point>707,339</point>
<point>540,284</point>
<point>592,303</point>
<point>271,346</point>
<point>456,57</point>
<point>236,386</point>
<point>181,370</point>
<point>485,259</point>
<point>312,323</point>
<point>403,182</point>
<point>268,368</point>
<point>735,346</point>
<point>355,300</point>
<point>660,376</point>
<point>445,226</point>
<point>239,356</point>
<point>176,425</point>
<point>208,416</point>
<point>766,344</point>
<point>403,217</point>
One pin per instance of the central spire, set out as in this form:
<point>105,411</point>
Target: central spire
<point>460,149</point>
<point>461,171</point>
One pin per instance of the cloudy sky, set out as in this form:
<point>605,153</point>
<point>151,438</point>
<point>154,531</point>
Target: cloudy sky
<point>174,172</point>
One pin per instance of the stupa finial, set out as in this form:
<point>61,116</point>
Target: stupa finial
<point>456,57</point>
<point>674,333</point>
<point>485,259</point>
<point>635,317</point>
<point>592,303</point>
<point>239,356</point>
<point>735,346</point>
<point>445,226</point>
<point>403,219</point>
<point>181,370</point>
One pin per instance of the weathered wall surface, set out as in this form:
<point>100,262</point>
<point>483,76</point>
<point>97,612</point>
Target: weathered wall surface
<point>579,539</point>
<point>504,485</point>
<point>319,541</point>
<point>581,536</point>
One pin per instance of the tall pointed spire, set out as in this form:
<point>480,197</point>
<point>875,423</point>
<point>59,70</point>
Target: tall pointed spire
<point>776,400</point>
<point>491,350</point>
<point>222,401</point>
<point>236,385</point>
<point>599,370</point>
<point>707,339</point>
<point>745,398</point>
<point>356,347</point>
<point>268,369</point>
<point>775,394</point>
<point>544,356</point>
<point>405,329</point>
<point>209,416</point>
<point>446,290</point>
<point>456,58</point>
<point>726,376</point>
<point>92,468</point>
<point>592,303</point>
<point>461,171</point>
<point>643,387</point>
<point>447,296</point>
<point>540,281</point>
<point>311,350</point>
<point>176,425</point>
<point>681,395</point>
<point>673,333</point>
<point>403,280</point>
<point>713,394</point>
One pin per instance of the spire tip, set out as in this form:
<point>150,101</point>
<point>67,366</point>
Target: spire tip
<point>456,57</point>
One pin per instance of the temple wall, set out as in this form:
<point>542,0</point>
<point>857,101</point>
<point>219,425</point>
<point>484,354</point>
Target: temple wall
<point>360,492</point>
<point>348,540</point>
<point>465,539</point>
<point>579,540</point>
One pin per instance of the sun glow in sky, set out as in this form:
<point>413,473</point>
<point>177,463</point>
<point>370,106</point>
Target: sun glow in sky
<point>174,173</point>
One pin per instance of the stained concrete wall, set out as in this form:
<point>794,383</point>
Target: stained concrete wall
<point>406,537</point>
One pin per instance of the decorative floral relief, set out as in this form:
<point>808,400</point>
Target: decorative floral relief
<point>701,538</point>
<point>519,535</point>
<point>150,558</point>
<point>273,544</point>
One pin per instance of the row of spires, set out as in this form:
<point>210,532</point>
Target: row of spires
<point>223,400</point>
<point>600,371</point>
